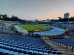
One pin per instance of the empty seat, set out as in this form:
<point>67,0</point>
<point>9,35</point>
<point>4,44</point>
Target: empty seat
<point>40,53</point>
<point>31,51</point>
<point>17,45</point>
<point>16,53</point>
<point>2,51</point>
<point>6,52</point>
<point>21,54</point>
<point>35,52</point>
<point>45,53</point>
<point>11,52</point>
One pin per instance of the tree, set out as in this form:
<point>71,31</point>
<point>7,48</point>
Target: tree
<point>14,18</point>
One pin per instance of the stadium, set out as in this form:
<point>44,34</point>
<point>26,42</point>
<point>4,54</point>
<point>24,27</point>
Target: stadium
<point>13,43</point>
<point>36,27</point>
<point>35,39</point>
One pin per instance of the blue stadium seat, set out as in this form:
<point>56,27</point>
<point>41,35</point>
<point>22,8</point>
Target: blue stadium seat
<point>24,45</point>
<point>65,41</point>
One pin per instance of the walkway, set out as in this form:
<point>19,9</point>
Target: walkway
<point>58,47</point>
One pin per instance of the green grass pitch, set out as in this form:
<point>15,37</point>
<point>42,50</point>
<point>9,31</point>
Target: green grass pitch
<point>34,27</point>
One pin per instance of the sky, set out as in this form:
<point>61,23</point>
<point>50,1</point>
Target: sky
<point>37,9</point>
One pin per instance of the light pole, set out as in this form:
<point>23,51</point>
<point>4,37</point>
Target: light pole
<point>2,24</point>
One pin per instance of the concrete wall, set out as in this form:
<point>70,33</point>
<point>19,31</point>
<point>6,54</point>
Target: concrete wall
<point>21,30</point>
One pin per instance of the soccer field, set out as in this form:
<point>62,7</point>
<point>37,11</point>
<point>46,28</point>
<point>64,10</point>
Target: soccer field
<point>34,27</point>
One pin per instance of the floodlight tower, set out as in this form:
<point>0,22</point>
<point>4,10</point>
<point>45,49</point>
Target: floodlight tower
<point>2,24</point>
